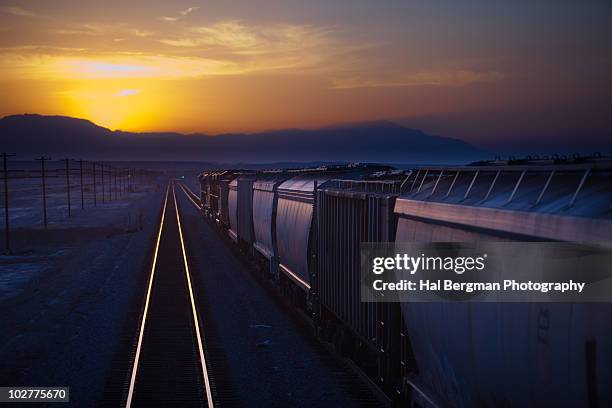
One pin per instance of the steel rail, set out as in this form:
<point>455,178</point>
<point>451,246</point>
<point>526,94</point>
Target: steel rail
<point>194,311</point>
<point>146,307</point>
<point>190,194</point>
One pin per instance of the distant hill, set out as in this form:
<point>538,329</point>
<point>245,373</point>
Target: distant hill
<point>60,136</point>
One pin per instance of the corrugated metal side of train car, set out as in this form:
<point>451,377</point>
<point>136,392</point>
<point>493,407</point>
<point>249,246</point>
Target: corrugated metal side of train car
<point>350,213</point>
<point>510,354</point>
<point>294,217</point>
<point>224,210</point>
<point>204,180</point>
<point>209,196</point>
<point>293,227</point>
<point>232,205</point>
<point>264,208</point>
<point>265,203</point>
<point>244,212</point>
<point>212,203</point>
<point>205,194</point>
<point>240,208</point>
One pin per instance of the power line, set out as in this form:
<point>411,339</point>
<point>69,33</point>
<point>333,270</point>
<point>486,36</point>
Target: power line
<point>6,204</point>
<point>42,160</point>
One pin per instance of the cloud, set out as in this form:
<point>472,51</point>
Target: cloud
<point>290,48</point>
<point>180,42</point>
<point>40,49</point>
<point>270,46</point>
<point>424,78</point>
<point>235,35</point>
<point>223,48</point>
<point>104,66</point>
<point>188,10</point>
<point>18,11</point>
<point>83,29</point>
<point>182,14</point>
<point>140,33</point>
<point>118,30</point>
<point>233,47</point>
<point>127,92</point>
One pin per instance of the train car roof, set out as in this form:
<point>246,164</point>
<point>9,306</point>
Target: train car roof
<point>527,192</point>
<point>305,180</point>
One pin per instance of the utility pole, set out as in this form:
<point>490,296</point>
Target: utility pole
<point>95,194</point>
<point>6,204</point>
<point>68,183</point>
<point>102,171</point>
<point>81,174</point>
<point>110,183</point>
<point>122,180</point>
<point>42,160</point>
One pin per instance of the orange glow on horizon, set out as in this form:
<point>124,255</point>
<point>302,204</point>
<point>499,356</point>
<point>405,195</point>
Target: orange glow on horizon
<point>142,66</point>
<point>113,104</point>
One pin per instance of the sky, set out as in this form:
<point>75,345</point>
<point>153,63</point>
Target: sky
<point>492,73</point>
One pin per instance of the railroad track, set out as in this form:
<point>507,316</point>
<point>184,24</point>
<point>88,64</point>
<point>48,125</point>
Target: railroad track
<point>349,376</point>
<point>193,197</point>
<point>177,354</point>
<point>169,366</point>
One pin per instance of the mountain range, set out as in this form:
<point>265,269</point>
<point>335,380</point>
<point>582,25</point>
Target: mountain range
<point>32,135</point>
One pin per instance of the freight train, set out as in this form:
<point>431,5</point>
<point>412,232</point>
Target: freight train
<point>304,227</point>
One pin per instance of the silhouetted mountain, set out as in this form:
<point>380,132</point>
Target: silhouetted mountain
<point>59,136</point>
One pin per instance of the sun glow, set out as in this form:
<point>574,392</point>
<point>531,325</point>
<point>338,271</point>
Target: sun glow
<point>115,104</point>
<point>127,92</point>
<point>155,66</point>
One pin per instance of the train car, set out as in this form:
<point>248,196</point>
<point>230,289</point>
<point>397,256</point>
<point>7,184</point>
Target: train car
<point>214,190</point>
<point>509,354</point>
<point>204,179</point>
<point>350,213</point>
<point>265,203</point>
<point>223,203</point>
<point>294,225</point>
<point>240,207</point>
<point>204,191</point>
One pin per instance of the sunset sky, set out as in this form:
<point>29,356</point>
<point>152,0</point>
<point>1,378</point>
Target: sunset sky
<point>485,71</point>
